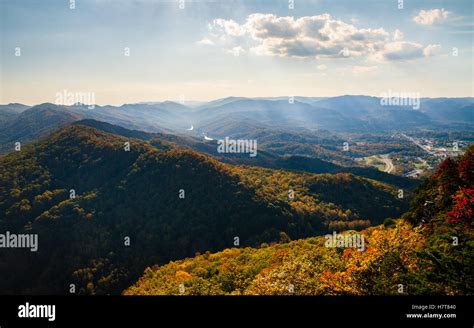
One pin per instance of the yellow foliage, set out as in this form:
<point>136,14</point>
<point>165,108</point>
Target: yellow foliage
<point>183,275</point>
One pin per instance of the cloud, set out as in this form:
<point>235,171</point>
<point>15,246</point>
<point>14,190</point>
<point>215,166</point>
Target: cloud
<point>236,51</point>
<point>320,36</point>
<point>398,35</point>
<point>267,26</point>
<point>433,16</point>
<point>400,50</point>
<point>405,50</point>
<point>431,50</point>
<point>228,27</point>
<point>205,42</point>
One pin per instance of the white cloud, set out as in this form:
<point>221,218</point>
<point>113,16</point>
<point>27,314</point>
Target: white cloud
<point>433,16</point>
<point>431,50</point>
<point>320,36</point>
<point>398,35</point>
<point>401,50</point>
<point>229,27</point>
<point>268,26</point>
<point>205,42</point>
<point>405,50</point>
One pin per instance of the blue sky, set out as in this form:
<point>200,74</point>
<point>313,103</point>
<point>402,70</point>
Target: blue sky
<point>214,49</point>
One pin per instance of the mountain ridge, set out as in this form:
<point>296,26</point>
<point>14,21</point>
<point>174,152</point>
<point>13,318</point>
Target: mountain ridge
<point>135,194</point>
<point>415,253</point>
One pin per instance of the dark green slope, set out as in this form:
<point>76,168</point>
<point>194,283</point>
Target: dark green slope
<point>134,194</point>
<point>430,252</point>
<point>119,194</point>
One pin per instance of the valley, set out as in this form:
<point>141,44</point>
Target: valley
<point>310,127</point>
<point>250,150</point>
<point>114,201</point>
<point>173,192</point>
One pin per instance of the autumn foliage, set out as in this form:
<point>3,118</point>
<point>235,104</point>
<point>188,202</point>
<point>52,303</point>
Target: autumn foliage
<point>429,251</point>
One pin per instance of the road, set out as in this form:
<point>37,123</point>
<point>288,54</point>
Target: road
<point>388,163</point>
<point>418,144</point>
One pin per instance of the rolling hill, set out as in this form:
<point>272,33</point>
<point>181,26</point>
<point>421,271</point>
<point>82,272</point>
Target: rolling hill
<point>428,252</point>
<point>267,159</point>
<point>132,209</point>
<point>234,116</point>
<point>11,111</point>
<point>34,123</point>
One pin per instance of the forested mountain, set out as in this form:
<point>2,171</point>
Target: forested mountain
<point>429,251</point>
<point>33,123</point>
<point>267,156</point>
<point>30,124</point>
<point>11,111</point>
<point>103,213</point>
<point>234,116</point>
<point>459,110</point>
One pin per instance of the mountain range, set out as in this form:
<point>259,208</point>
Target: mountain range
<point>111,191</point>
<point>167,200</point>
<point>239,116</point>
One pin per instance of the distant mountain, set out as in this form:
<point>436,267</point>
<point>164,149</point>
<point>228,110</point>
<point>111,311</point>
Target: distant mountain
<point>159,117</point>
<point>238,115</point>
<point>459,110</point>
<point>351,105</point>
<point>338,114</point>
<point>14,107</point>
<point>11,111</point>
<point>33,123</point>
<point>243,117</point>
<point>221,102</point>
<point>432,112</point>
<point>372,116</point>
<point>273,113</point>
<point>306,100</point>
<point>26,125</point>
<point>131,209</point>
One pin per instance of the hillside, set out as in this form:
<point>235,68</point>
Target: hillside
<point>338,199</point>
<point>266,158</point>
<point>302,267</point>
<point>11,111</point>
<point>415,255</point>
<point>30,124</point>
<point>127,212</point>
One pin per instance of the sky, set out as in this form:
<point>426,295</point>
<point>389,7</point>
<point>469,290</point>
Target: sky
<point>126,51</point>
